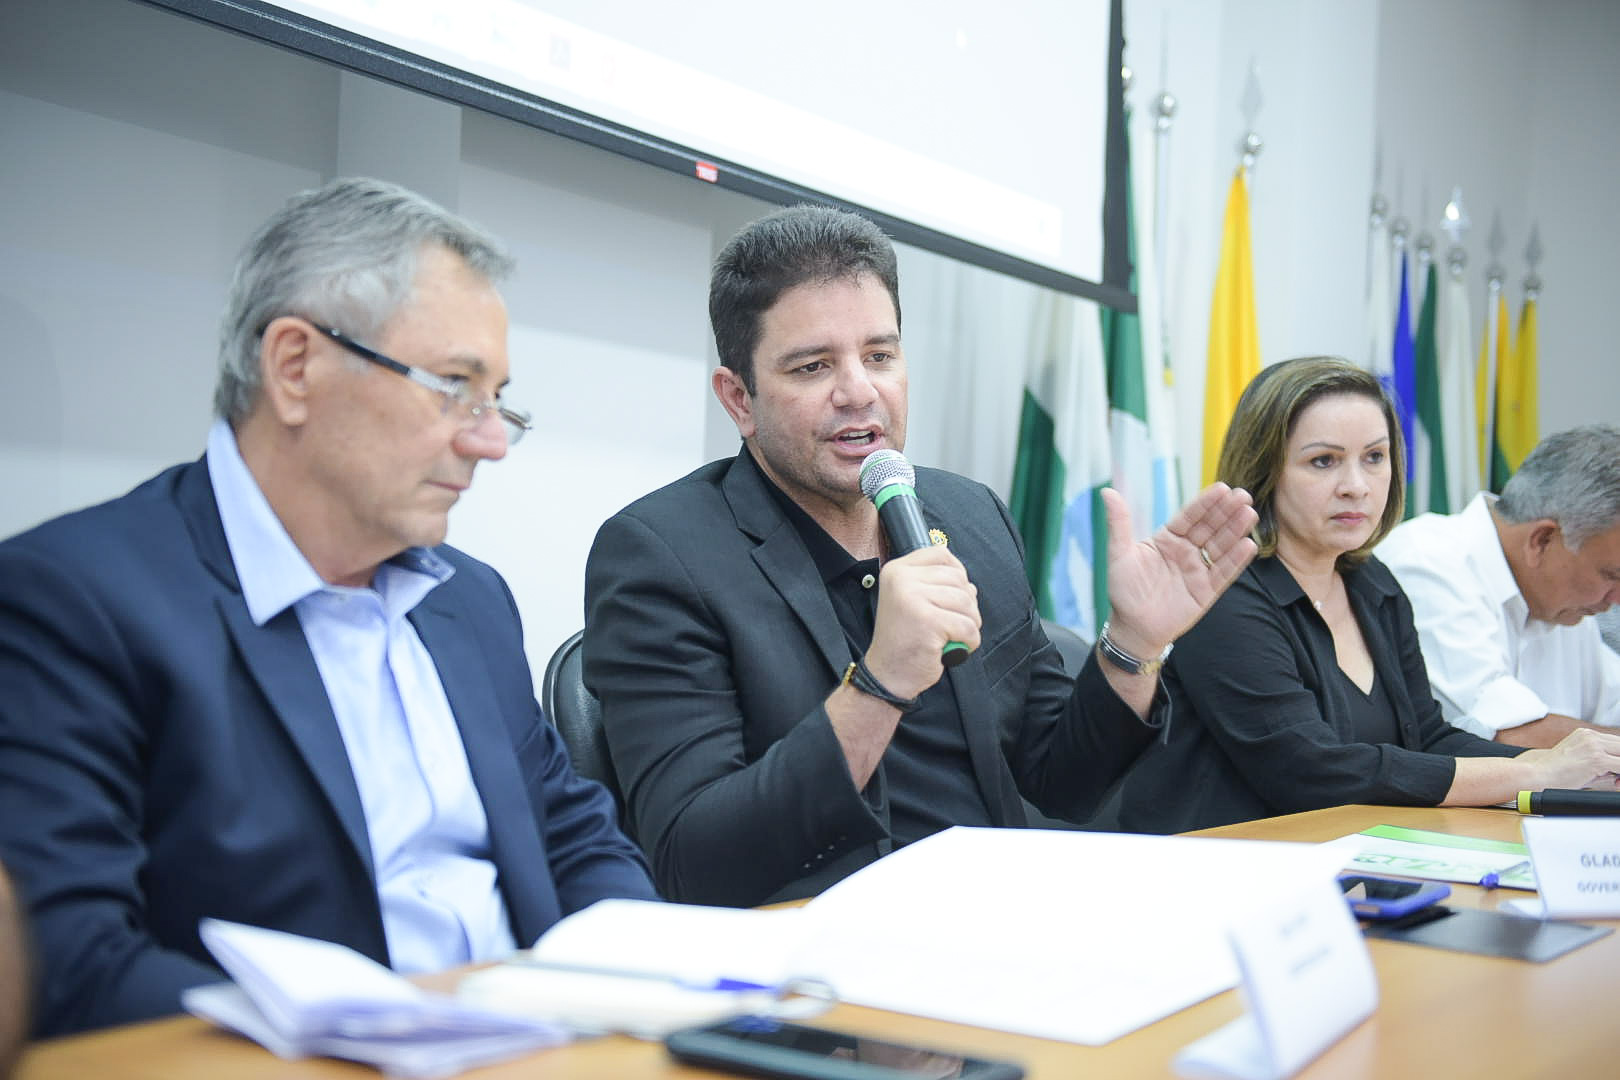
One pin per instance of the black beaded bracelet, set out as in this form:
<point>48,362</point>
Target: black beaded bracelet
<point>858,676</point>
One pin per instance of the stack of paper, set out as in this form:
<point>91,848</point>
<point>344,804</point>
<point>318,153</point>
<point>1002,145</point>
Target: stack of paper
<point>299,997</point>
<point>647,968</point>
<point>1065,935</point>
<point>1435,856</point>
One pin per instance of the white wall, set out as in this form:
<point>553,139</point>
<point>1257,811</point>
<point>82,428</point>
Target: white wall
<point>139,149</point>
<point>1513,101</point>
<point>1574,148</point>
<point>142,149</point>
<point>1308,191</point>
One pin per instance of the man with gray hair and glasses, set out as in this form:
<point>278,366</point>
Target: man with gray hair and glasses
<point>259,687</point>
<point>1504,593</point>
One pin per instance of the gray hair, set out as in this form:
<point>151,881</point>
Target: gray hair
<point>345,255</point>
<point>1573,478</point>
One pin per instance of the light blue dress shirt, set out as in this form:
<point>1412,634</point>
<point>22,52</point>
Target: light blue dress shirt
<point>441,905</point>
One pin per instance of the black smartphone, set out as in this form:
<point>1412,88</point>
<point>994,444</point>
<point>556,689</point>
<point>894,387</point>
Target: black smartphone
<point>761,1046</point>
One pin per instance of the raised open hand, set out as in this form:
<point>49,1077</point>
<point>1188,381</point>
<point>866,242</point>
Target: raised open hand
<point>1160,586</point>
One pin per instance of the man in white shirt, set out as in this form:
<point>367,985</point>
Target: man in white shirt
<point>1504,593</point>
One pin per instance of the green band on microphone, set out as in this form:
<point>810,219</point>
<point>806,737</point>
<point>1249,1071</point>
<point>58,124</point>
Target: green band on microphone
<point>891,490</point>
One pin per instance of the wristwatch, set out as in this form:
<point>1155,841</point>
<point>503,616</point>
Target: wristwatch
<point>1124,661</point>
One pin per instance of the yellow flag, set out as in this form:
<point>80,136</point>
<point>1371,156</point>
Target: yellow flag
<point>1486,407</point>
<point>1234,331</point>
<point>1517,393</point>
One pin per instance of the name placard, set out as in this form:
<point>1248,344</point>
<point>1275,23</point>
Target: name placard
<point>1577,862</point>
<point>1307,979</point>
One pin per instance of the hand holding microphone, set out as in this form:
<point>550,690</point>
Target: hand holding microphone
<point>888,479</point>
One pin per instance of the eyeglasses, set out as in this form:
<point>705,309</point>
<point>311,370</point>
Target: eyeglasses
<point>458,393</point>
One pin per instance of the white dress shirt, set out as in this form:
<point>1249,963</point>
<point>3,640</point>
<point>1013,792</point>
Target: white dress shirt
<point>440,902</point>
<point>1491,666</point>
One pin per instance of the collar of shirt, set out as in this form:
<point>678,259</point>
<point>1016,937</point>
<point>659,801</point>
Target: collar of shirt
<point>273,573</point>
<point>1492,566</point>
<point>832,561</point>
<point>1279,584</point>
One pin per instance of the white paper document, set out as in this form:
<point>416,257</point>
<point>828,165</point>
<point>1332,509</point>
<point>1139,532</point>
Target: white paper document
<point>647,968</point>
<point>300,997</point>
<point>1059,934</point>
<point>1064,935</point>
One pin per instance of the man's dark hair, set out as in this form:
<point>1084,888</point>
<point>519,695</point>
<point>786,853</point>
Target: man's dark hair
<point>791,247</point>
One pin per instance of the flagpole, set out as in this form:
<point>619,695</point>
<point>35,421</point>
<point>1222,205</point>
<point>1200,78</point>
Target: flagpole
<point>1234,330</point>
<point>1380,310</point>
<point>1164,115</point>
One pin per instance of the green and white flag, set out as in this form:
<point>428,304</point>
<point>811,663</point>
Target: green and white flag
<point>1141,409</point>
<point>1063,463</point>
<point>1428,449</point>
<point>1459,430</point>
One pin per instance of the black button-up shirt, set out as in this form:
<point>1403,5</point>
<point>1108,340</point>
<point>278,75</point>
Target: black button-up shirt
<point>928,774</point>
<point>1265,722</point>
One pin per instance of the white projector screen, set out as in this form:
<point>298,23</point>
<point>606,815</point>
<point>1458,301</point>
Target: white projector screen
<point>981,125</point>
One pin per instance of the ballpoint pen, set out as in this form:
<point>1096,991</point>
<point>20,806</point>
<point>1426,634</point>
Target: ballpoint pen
<point>1494,878</point>
<point>806,987</point>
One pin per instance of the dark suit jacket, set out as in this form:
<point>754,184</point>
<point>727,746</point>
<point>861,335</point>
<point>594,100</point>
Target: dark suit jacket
<point>712,644</point>
<point>1264,724</point>
<point>162,759</point>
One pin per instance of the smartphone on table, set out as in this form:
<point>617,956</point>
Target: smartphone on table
<point>1374,897</point>
<point>761,1046</point>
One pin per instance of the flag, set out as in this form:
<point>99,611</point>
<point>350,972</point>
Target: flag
<point>1156,373</point>
<point>1234,331</point>
<point>1517,419</point>
<point>1403,377</point>
<point>1493,347</point>
<point>1142,440</point>
<point>1428,452</point>
<point>1456,371</point>
<point>1063,464</point>
<point>1380,310</point>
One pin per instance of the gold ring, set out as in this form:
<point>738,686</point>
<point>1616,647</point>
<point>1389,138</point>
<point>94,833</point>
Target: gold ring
<point>1203,553</point>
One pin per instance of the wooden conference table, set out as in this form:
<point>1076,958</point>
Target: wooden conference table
<point>1440,1013</point>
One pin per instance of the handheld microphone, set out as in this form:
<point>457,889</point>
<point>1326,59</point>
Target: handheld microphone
<point>888,479</point>
<point>1570,801</point>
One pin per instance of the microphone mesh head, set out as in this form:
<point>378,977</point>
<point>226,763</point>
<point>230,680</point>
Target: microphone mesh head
<point>884,467</point>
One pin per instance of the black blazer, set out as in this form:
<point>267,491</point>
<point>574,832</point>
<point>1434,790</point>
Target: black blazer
<point>163,759</point>
<point>1262,721</point>
<point>712,644</point>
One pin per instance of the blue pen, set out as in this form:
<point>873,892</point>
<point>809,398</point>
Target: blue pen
<point>1494,878</point>
<point>720,985</point>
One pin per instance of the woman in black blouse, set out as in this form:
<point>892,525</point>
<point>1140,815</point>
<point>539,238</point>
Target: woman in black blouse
<point>1304,686</point>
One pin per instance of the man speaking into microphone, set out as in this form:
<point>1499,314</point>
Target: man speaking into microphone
<point>772,667</point>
